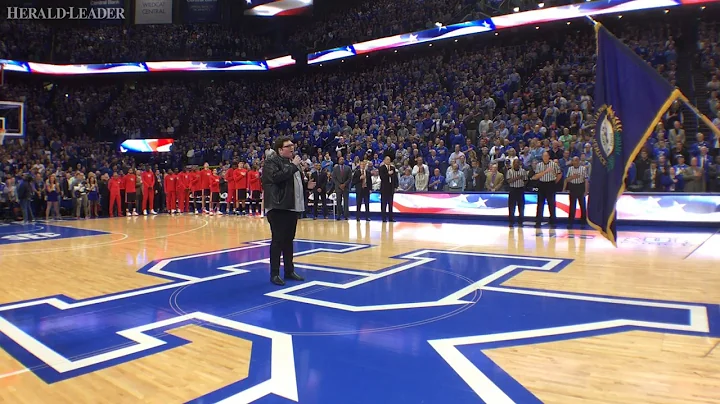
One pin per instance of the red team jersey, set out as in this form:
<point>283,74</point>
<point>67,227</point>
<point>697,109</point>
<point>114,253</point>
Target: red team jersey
<point>129,181</point>
<point>241,178</point>
<point>170,183</point>
<point>205,178</point>
<point>183,181</point>
<point>254,181</point>
<point>230,178</point>
<point>148,179</point>
<point>214,183</point>
<point>114,185</point>
<point>195,182</point>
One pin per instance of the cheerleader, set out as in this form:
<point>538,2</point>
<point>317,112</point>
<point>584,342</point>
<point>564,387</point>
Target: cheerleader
<point>93,196</point>
<point>52,189</point>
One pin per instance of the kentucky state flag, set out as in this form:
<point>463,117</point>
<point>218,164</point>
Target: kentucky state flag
<point>631,98</point>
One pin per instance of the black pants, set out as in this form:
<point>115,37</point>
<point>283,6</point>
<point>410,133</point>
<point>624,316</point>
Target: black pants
<point>516,198</point>
<point>342,200</point>
<point>283,224</point>
<point>386,204</point>
<point>131,201</point>
<point>546,192</point>
<point>319,199</point>
<point>123,205</point>
<point>105,204</point>
<point>577,194</point>
<point>362,197</point>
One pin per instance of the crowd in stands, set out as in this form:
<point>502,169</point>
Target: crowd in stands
<point>450,118</point>
<point>35,41</point>
<point>378,19</point>
<point>709,51</point>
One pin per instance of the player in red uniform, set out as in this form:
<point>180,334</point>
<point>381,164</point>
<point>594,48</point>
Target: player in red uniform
<point>121,176</point>
<point>170,185</point>
<point>205,180</point>
<point>215,193</point>
<point>114,188</point>
<point>148,183</point>
<point>255,189</point>
<point>231,192</point>
<point>196,186</point>
<point>241,185</point>
<point>130,179</point>
<point>183,190</point>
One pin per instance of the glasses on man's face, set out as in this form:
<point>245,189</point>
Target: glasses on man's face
<point>288,146</point>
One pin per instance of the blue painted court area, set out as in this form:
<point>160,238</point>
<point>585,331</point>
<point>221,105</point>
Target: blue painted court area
<point>14,233</point>
<point>342,336</point>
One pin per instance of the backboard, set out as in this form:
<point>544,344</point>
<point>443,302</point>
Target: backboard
<point>12,119</point>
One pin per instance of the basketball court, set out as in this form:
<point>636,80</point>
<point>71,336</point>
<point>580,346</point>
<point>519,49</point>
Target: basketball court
<point>180,309</point>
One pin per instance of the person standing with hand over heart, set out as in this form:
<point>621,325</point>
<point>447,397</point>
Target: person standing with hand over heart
<point>388,184</point>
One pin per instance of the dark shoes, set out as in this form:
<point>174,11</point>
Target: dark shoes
<point>292,276</point>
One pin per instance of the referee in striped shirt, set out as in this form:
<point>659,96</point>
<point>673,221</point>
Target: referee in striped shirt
<point>548,175</point>
<point>516,178</point>
<point>576,182</point>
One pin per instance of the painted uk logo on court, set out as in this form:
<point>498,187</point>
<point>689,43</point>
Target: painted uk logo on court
<point>371,336</point>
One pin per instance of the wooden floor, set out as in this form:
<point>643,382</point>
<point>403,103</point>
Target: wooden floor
<point>620,367</point>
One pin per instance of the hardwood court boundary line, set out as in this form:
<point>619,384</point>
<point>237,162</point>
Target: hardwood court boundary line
<point>107,243</point>
<point>717,232</point>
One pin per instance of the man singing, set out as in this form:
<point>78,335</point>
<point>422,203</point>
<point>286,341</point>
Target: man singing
<point>284,202</point>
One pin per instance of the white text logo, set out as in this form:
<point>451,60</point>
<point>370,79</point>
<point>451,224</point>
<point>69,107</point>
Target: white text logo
<point>65,13</point>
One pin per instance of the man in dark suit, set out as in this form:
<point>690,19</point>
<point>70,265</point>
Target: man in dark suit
<point>652,178</point>
<point>341,176</point>
<point>388,183</point>
<point>363,185</point>
<point>320,178</point>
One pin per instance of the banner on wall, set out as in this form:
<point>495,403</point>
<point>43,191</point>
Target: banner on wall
<point>661,207</point>
<point>153,11</point>
<point>199,11</point>
<point>107,5</point>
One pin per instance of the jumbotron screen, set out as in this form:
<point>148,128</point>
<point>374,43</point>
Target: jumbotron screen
<point>146,146</point>
<point>278,8</point>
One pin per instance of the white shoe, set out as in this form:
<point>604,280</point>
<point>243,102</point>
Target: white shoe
<point>135,213</point>
<point>145,212</point>
<point>153,212</point>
